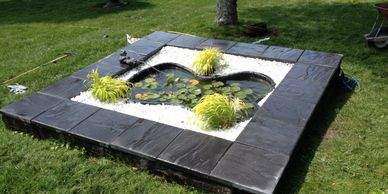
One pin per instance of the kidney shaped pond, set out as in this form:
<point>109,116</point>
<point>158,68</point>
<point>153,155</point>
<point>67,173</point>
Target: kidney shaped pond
<point>171,83</point>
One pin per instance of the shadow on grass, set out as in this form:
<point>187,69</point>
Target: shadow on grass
<point>295,173</point>
<point>53,11</point>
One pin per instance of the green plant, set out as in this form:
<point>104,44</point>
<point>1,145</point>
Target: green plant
<point>217,111</point>
<point>107,89</point>
<point>207,61</point>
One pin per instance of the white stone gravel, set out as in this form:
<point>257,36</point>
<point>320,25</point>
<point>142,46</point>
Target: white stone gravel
<point>183,117</point>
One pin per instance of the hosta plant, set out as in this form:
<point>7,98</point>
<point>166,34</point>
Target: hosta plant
<point>217,111</point>
<point>207,61</point>
<point>107,89</point>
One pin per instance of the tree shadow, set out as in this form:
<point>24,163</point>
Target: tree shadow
<point>55,11</point>
<point>330,27</point>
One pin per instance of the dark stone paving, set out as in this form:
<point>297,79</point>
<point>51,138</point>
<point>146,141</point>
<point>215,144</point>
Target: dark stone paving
<point>66,88</point>
<point>145,47</point>
<point>282,54</point>
<point>222,45</point>
<point>103,127</point>
<point>195,151</point>
<point>30,107</point>
<point>321,58</point>
<point>64,116</point>
<point>249,50</point>
<point>251,169</point>
<point>146,138</point>
<point>253,163</point>
<point>186,41</point>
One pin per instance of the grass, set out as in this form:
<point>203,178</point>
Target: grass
<point>344,151</point>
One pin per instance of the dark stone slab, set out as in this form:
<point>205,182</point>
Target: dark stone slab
<point>271,135</point>
<point>161,37</point>
<point>300,89</point>
<point>222,45</point>
<point>110,65</point>
<point>282,54</point>
<point>246,49</point>
<point>251,169</point>
<point>187,41</point>
<point>103,126</point>
<point>30,107</point>
<point>103,70</point>
<point>311,73</point>
<point>195,151</point>
<point>321,58</point>
<point>145,47</point>
<point>66,88</point>
<point>64,116</point>
<point>146,138</point>
<point>287,109</point>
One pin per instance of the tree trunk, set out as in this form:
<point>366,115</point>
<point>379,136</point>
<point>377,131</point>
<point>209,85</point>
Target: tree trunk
<point>226,12</point>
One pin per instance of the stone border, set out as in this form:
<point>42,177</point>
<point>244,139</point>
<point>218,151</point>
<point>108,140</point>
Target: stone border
<point>253,163</point>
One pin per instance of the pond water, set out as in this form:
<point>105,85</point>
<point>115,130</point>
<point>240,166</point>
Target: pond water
<point>174,84</point>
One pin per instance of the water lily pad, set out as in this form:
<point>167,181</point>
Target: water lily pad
<point>241,95</point>
<point>217,84</point>
<point>170,81</point>
<point>235,85</point>
<point>247,91</point>
<point>180,85</point>
<point>138,85</point>
<point>235,88</point>
<point>181,91</point>
<point>197,92</point>
<point>191,96</point>
<point>181,96</point>
<point>153,95</point>
<point>191,87</point>
<point>149,80</point>
<point>209,92</point>
<point>138,96</point>
<point>176,101</point>
<point>225,89</point>
<point>206,87</point>
<point>227,93</point>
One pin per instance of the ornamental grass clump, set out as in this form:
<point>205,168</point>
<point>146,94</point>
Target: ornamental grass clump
<point>207,61</point>
<point>107,89</point>
<point>218,111</point>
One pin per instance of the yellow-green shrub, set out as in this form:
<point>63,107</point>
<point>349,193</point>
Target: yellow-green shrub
<point>107,89</point>
<point>207,61</point>
<point>218,111</point>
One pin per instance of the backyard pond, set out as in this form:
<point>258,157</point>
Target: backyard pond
<point>167,88</point>
<point>173,84</point>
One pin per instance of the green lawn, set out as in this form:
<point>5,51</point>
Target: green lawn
<point>346,150</point>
